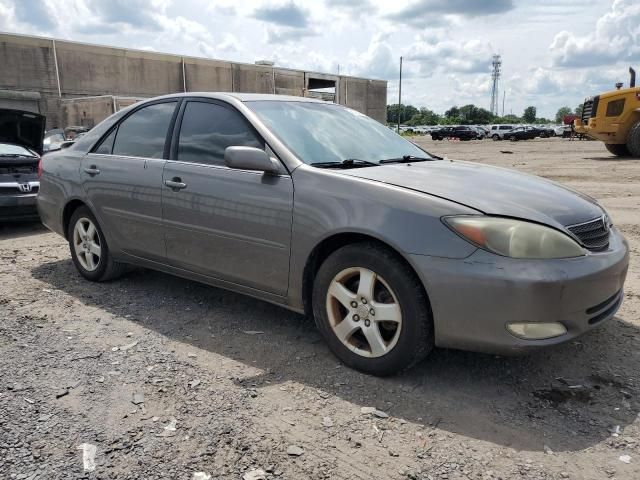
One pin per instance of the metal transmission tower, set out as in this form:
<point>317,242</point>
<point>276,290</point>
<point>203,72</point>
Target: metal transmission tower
<point>495,76</point>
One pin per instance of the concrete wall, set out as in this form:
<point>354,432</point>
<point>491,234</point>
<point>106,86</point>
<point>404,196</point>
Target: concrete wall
<point>29,65</point>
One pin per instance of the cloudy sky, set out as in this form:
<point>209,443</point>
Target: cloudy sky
<point>554,52</point>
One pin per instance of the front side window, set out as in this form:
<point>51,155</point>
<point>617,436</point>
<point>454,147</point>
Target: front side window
<point>144,132</point>
<point>207,129</point>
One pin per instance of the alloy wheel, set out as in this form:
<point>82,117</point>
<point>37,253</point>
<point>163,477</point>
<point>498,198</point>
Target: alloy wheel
<point>364,312</point>
<point>86,243</point>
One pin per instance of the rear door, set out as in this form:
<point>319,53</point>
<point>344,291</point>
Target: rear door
<point>234,225</point>
<point>122,178</point>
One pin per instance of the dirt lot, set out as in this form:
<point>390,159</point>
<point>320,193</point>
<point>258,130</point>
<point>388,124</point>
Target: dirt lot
<point>166,377</point>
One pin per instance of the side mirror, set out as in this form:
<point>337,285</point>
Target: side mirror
<point>249,158</point>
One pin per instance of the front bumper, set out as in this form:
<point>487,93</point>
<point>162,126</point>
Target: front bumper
<point>18,207</point>
<point>473,299</point>
<point>607,133</point>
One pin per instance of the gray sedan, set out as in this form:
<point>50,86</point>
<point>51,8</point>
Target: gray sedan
<point>320,209</point>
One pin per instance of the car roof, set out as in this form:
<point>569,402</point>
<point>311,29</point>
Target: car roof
<point>243,97</point>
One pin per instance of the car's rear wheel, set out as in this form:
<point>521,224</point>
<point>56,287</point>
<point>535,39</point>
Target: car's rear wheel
<point>618,149</point>
<point>89,249</point>
<point>633,140</point>
<point>372,310</point>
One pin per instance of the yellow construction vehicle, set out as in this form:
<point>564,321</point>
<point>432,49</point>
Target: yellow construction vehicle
<point>614,118</point>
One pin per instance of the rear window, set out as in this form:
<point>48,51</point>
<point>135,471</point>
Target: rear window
<point>506,127</point>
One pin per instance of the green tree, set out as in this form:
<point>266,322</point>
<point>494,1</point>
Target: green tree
<point>578,110</point>
<point>561,113</point>
<point>453,112</point>
<point>429,117</point>
<point>407,112</point>
<point>529,115</point>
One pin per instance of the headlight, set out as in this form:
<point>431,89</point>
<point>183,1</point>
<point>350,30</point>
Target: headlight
<point>515,238</point>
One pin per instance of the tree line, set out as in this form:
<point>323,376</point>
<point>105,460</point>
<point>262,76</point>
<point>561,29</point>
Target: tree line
<point>469,115</point>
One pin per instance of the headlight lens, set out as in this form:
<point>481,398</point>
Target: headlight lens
<point>515,238</point>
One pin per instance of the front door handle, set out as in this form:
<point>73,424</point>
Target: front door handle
<point>175,184</point>
<point>92,170</point>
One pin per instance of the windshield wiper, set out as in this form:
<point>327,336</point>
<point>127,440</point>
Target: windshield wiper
<point>348,163</point>
<point>406,159</point>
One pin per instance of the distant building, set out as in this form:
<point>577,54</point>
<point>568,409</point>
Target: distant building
<point>49,76</point>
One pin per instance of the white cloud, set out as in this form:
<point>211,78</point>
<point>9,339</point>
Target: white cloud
<point>616,38</point>
<point>447,45</point>
<point>471,56</point>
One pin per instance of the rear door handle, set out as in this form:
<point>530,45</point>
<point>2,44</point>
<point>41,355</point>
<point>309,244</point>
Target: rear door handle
<point>175,184</point>
<point>92,170</point>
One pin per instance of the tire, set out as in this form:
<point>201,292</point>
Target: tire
<point>618,149</point>
<point>96,263</point>
<point>633,140</point>
<point>513,138</point>
<point>402,342</point>
<point>495,137</point>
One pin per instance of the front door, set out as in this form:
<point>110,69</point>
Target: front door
<point>122,178</point>
<point>234,225</point>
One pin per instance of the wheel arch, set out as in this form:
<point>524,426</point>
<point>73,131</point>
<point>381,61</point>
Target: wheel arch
<point>67,212</point>
<point>330,244</point>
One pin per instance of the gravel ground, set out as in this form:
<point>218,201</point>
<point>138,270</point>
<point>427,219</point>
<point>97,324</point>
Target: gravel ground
<point>152,376</point>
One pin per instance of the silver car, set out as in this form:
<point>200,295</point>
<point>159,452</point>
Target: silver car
<point>320,209</point>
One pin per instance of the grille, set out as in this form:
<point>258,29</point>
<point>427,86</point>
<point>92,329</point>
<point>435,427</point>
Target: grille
<point>606,309</point>
<point>15,190</point>
<point>17,169</point>
<point>594,234</point>
<point>589,108</point>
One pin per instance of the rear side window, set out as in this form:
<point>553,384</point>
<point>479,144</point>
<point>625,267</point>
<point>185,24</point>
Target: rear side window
<point>106,146</point>
<point>207,129</point>
<point>144,132</point>
<point>615,108</point>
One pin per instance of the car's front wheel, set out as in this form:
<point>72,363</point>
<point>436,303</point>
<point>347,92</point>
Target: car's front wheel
<point>495,137</point>
<point>89,250</point>
<point>372,310</point>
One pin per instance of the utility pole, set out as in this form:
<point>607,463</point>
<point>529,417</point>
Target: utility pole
<point>495,76</point>
<point>504,93</point>
<point>400,95</point>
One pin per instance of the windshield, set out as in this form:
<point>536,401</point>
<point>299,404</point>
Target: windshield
<point>320,132</point>
<point>12,150</point>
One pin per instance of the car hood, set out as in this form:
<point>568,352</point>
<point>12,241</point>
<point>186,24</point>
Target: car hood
<point>22,128</point>
<point>490,190</point>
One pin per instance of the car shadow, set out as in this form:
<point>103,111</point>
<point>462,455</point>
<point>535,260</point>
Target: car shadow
<point>612,158</point>
<point>567,399</point>
<point>20,229</point>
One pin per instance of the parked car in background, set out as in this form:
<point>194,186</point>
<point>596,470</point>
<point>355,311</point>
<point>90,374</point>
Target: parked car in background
<point>546,131</point>
<point>53,139</point>
<point>497,131</point>
<point>460,132</point>
<point>21,137</point>
<point>482,133</point>
<point>520,133</point>
<point>468,256</point>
